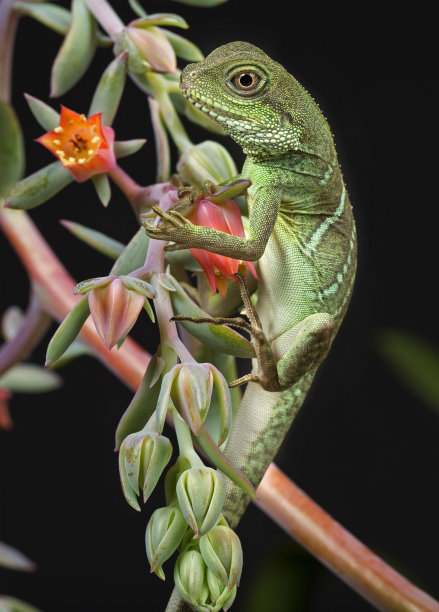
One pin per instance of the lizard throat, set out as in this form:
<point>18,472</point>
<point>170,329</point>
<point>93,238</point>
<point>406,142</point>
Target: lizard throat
<point>257,139</point>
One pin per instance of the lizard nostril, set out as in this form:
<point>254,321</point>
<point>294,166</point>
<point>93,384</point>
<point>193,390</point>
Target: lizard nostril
<point>193,73</point>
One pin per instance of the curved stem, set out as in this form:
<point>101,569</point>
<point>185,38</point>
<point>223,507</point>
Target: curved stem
<point>106,16</point>
<point>184,440</point>
<point>338,549</point>
<point>35,324</point>
<point>127,185</point>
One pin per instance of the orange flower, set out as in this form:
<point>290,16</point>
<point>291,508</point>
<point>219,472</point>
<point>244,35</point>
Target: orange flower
<point>84,146</point>
<point>225,217</point>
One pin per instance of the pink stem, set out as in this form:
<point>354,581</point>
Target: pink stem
<point>338,549</point>
<point>106,16</point>
<point>35,324</point>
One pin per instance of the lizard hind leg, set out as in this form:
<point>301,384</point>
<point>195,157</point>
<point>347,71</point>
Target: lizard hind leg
<point>308,344</point>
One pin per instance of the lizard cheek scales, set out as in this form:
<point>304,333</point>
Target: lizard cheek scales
<point>300,226</point>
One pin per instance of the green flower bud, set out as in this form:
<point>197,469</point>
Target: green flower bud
<point>191,393</point>
<point>222,552</point>
<point>220,595</point>
<point>207,161</point>
<point>189,577</point>
<point>201,493</point>
<point>142,458</point>
<point>164,532</point>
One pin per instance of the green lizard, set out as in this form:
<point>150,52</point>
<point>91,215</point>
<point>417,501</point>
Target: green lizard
<point>301,234</point>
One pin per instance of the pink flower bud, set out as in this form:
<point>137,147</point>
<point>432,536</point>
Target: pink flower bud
<point>152,44</point>
<point>225,217</point>
<point>114,309</point>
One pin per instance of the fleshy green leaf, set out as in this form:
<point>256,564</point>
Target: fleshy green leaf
<point>75,350</point>
<point>123,148</point>
<point>11,148</point>
<point>142,405</point>
<point>13,559</point>
<point>183,47</point>
<point>29,378</point>
<point>51,15</point>
<point>414,361</point>
<point>163,154</point>
<point>217,337</point>
<point>101,183</point>
<point>67,331</point>
<point>137,8</point>
<point>46,116</point>
<point>39,187</point>
<point>160,19</point>
<point>76,51</point>
<point>109,90</point>
<point>213,453</point>
<point>133,256</point>
<point>97,240</point>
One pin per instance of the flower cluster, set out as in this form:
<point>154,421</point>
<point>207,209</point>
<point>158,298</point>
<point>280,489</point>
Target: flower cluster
<point>209,565</point>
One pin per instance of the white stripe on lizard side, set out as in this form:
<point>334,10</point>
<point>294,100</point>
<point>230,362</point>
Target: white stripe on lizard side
<point>326,224</point>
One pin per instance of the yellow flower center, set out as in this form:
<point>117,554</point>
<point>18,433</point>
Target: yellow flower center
<point>76,142</point>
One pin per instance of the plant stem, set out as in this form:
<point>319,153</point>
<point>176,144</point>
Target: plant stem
<point>106,16</point>
<point>184,440</point>
<point>338,549</point>
<point>35,324</point>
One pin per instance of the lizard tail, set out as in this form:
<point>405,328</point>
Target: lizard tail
<point>259,428</point>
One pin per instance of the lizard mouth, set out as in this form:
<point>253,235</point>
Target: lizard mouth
<point>214,111</point>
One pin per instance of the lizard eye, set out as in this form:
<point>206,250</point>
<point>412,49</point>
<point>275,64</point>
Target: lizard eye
<point>246,81</point>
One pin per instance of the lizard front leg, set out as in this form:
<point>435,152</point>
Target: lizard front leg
<point>184,234</point>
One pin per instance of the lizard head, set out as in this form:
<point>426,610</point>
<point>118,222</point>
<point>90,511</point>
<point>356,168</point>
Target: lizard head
<point>257,102</point>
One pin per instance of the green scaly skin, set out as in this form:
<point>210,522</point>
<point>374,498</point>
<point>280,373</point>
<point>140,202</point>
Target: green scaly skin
<point>302,235</point>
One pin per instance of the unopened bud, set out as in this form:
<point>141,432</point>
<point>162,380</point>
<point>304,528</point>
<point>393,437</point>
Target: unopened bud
<point>164,532</point>
<point>189,577</point>
<point>148,49</point>
<point>191,393</point>
<point>142,458</point>
<point>201,493</point>
<point>115,303</point>
<point>222,552</point>
<point>207,161</point>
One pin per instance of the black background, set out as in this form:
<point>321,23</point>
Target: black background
<point>363,447</point>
